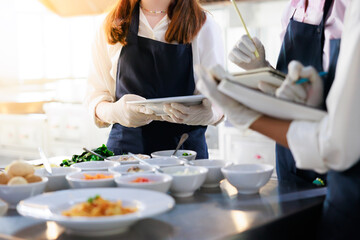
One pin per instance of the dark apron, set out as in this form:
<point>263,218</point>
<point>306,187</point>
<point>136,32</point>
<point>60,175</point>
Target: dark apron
<point>302,42</point>
<point>154,69</point>
<point>341,211</point>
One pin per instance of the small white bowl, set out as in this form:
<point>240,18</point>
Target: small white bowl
<point>186,185</point>
<point>214,175</point>
<point>180,154</point>
<point>15,193</point>
<point>57,180</point>
<point>158,182</point>
<point>248,178</point>
<point>95,165</point>
<point>126,159</point>
<point>166,161</point>
<point>123,169</point>
<point>77,180</point>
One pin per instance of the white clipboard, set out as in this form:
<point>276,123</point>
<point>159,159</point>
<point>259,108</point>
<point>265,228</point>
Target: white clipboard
<point>269,105</point>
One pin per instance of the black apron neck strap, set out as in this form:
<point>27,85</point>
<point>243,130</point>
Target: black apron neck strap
<point>135,18</point>
<point>327,6</point>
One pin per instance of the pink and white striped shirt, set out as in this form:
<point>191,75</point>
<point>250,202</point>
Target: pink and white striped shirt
<point>313,15</point>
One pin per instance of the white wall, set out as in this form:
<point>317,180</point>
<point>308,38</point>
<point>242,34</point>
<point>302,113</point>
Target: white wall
<point>37,44</point>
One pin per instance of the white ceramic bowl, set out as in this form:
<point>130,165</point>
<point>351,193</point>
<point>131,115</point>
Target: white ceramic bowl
<point>158,182</point>
<point>248,178</point>
<point>95,165</point>
<point>180,154</point>
<point>14,194</point>
<point>77,180</point>
<point>185,185</point>
<point>57,180</point>
<point>123,169</point>
<point>166,161</point>
<point>214,175</point>
<point>126,159</point>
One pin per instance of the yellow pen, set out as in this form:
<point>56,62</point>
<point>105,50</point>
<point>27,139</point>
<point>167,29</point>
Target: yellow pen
<point>247,32</point>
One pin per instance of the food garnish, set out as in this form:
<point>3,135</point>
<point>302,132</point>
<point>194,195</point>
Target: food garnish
<point>134,169</point>
<point>87,157</point>
<point>91,199</point>
<point>141,180</point>
<point>97,176</point>
<point>98,207</point>
<point>186,154</point>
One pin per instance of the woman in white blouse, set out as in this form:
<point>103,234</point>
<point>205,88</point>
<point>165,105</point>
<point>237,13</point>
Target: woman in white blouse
<point>147,49</point>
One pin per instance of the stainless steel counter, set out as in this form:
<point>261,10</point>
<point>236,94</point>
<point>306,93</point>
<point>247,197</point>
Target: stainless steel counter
<point>279,211</point>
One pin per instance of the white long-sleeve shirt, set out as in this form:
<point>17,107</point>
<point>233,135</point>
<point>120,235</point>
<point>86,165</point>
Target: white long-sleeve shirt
<point>334,142</point>
<point>207,48</point>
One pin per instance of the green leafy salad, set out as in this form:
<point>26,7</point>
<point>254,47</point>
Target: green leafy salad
<point>87,157</point>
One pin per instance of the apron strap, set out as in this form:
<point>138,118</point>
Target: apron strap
<point>327,6</point>
<point>134,24</point>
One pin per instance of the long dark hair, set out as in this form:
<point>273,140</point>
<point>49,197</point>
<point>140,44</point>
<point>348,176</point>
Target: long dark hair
<point>187,18</point>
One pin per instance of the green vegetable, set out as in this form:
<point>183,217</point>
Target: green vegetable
<point>87,157</point>
<point>91,200</point>
<point>186,154</point>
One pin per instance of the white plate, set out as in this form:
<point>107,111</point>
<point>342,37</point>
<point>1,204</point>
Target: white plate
<point>49,207</point>
<point>157,104</point>
<point>270,105</point>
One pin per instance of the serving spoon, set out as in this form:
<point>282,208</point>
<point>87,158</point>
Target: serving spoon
<point>181,142</point>
<point>46,162</point>
<point>94,153</point>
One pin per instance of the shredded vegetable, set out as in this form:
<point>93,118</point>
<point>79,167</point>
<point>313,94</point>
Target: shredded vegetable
<point>97,176</point>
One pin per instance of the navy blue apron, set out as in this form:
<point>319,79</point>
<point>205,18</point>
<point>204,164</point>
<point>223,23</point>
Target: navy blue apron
<point>302,42</point>
<point>153,69</point>
<point>341,211</point>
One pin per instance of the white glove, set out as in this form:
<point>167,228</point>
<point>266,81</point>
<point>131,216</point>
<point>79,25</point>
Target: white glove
<point>267,88</point>
<point>128,115</point>
<point>239,115</point>
<point>243,54</point>
<point>203,114</point>
<point>310,93</point>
